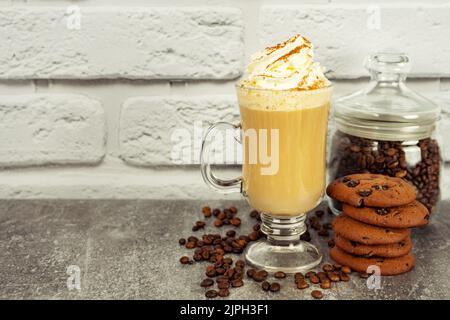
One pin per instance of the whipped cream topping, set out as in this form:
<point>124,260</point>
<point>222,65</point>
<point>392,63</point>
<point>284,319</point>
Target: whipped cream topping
<point>287,66</point>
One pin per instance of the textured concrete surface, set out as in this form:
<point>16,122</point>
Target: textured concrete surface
<point>127,249</point>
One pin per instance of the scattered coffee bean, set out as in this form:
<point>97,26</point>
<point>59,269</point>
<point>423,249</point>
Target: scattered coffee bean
<point>327,267</point>
<point>227,261</point>
<point>275,287</point>
<point>231,233</point>
<point>299,276</point>
<point>333,276</point>
<point>317,294</point>
<point>337,266</point>
<point>207,283</point>
<point>306,237</point>
<point>240,263</point>
<point>216,212</point>
<point>259,276</point>
<point>190,245</point>
<point>325,284</point>
<point>224,293</point>
<point>223,285</point>
<point>250,273</point>
<point>185,260</point>
<point>235,222</point>
<point>237,283</point>
<point>265,286</point>
<point>254,214</point>
<point>218,223</point>
<point>302,284</point>
<point>346,269</point>
<point>233,210</point>
<point>210,294</point>
<point>314,279</point>
<point>206,212</point>
<point>279,275</point>
<point>344,277</point>
<point>309,274</point>
<point>182,241</point>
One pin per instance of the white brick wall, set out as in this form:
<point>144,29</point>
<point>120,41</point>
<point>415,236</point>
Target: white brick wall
<point>91,112</point>
<point>51,129</point>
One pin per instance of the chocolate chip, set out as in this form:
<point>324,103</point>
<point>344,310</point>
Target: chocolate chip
<point>352,183</point>
<point>382,211</point>
<point>365,192</point>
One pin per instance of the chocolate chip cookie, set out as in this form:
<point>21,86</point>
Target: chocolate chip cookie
<point>373,190</point>
<point>381,250</point>
<point>363,233</point>
<point>414,214</point>
<point>388,266</point>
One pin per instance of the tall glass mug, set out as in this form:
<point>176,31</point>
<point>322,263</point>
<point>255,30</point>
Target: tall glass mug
<point>283,134</point>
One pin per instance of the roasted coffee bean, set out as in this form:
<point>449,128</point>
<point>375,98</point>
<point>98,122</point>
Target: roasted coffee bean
<point>237,283</point>
<point>231,233</point>
<point>218,223</point>
<point>207,283</point>
<point>250,273</point>
<point>210,294</point>
<point>337,266</point>
<point>195,228</point>
<point>331,243</point>
<point>325,284</point>
<point>302,284</point>
<point>224,293</point>
<point>265,286</point>
<point>206,212</point>
<point>211,273</point>
<point>333,276</point>
<point>192,239</point>
<point>256,227</point>
<point>191,245</point>
<point>197,257</point>
<point>185,260</point>
<point>222,215</point>
<point>299,276</point>
<point>279,275</point>
<point>317,294</point>
<point>233,210</point>
<point>240,263</point>
<point>322,275</point>
<point>275,287</point>
<point>216,212</point>
<point>323,233</point>
<point>220,271</point>
<point>182,241</point>
<point>235,222</point>
<point>319,213</point>
<point>259,276</point>
<point>223,285</point>
<point>227,260</point>
<point>327,267</point>
<point>314,279</point>
<point>344,277</point>
<point>346,269</point>
<point>254,214</point>
<point>309,274</point>
<point>253,236</point>
<point>390,158</point>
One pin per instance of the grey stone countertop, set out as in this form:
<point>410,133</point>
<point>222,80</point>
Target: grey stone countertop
<point>128,249</point>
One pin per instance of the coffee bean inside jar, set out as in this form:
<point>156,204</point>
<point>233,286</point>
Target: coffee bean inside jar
<point>386,128</point>
<point>415,161</point>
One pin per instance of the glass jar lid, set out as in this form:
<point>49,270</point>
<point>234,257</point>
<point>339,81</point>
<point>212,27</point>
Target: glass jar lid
<point>387,109</point>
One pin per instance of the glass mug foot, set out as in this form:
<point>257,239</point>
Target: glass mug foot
<point>283,250</point>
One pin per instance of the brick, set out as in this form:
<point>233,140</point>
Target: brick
<point>121,42</point>
<point>344,34</point>
<point>40,129</point>
<point>168,130</point>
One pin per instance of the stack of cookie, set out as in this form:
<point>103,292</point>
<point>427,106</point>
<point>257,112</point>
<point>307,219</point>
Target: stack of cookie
<point>374,229</point>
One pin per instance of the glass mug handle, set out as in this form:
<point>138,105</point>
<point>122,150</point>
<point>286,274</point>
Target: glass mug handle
<point>220,185</point>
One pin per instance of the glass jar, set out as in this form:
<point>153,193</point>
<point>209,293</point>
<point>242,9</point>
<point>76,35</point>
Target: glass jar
<point>388,129</point>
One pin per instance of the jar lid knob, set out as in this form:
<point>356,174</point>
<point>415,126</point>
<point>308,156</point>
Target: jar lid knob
<point>385,62</point>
